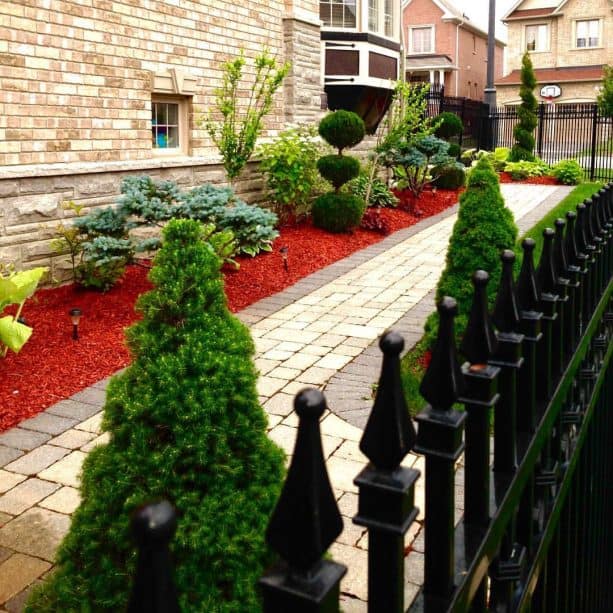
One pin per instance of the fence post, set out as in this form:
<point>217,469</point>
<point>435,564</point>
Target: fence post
<point>594,134</point>
<point>386,493</point>
<point>439,438</point>
<point>153,591</point>
<point>585,246</point>
<point>305,522</point>
<point>578,270</point>
<point>541,126</point>
<point>596,241</point>
<point>480,395</point>
<point>563,336</point>
<point>607,229</point>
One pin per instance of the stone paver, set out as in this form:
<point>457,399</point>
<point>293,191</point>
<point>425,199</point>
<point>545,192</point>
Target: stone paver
<point>322,331</point>
<point>18,572</point>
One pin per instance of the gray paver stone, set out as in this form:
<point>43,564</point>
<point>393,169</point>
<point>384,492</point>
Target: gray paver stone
<point>48,423</point>
<point>8,454</point>
<point>18,572</point>
<point>23,439</point>
<point>37,532</point>
<point>66,471</point>
<point>65,500</point>
<point>72,439</point>
<point>9,480</point>
<point>25,495</point>
<point>17,603</point>
<point>91,395</point>
<point>73,409</point>
<point>36,460</point>
<point>4,518</point>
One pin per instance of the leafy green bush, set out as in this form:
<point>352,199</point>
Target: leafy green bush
<point>289,164</point>
<point>185,424</point>
<point>338,169</point>
<point>450,176</point>
<point>16,288</point>
<point>454,150</point>
<point>568,172</point>
<point>483,229</point>
<point>337,212</point>
<point>449,125</point>
<point>523,132</point>
<point>342,129</point>
<point>525,169</point>
<point>380,194</point>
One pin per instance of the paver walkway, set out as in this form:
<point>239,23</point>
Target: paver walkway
<point>320,332</point>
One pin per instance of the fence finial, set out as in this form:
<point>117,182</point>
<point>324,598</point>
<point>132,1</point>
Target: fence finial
<point>389,434</point>
<point>580,229</point>
<point>528,292</point>
<point>572,252</point>
<point>153,526</point>
<point>479,342</point>
<point>506,309</point>
<point>306,520</point>
<point>560,261</point>
<point>443,382</point>
<point>545,274</point>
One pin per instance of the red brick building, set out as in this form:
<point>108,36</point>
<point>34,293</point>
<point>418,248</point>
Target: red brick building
<point>444,47</point>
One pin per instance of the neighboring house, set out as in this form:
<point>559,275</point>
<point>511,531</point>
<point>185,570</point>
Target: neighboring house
<point>92,90</point>
<point>444,47</point>
<point>569,43</point>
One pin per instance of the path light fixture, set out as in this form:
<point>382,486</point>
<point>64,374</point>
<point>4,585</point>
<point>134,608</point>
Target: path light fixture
<point>75,317</point>
<point>283,251</point>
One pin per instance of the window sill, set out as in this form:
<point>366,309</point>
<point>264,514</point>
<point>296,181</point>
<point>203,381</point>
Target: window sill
<point>585,48</point>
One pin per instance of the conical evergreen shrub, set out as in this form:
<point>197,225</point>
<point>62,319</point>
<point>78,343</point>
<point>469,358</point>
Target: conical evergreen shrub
<point>483,229</point>
<point>185,425</point>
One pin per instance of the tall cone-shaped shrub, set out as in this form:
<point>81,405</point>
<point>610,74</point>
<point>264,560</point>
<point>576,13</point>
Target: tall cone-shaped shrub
<point>184,424</point>
<point>523,132</point>
<point>483,229</point>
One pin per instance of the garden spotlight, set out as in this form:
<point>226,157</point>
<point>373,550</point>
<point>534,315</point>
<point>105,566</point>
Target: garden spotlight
<point>75,317</point>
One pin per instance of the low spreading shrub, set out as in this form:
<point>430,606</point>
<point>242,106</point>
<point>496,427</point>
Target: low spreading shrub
<point>568,172</point>
<point>185,424</point>
<point>525,169</point>
<point>337,212</point>
<point>451,176</point>
<point>380,194</point>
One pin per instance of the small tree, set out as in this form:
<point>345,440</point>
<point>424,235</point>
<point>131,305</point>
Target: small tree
<point>605,97</point>
<point>185,425</point>
<point>236,133</point>
<point>484,228</point>
<point>523,132</point>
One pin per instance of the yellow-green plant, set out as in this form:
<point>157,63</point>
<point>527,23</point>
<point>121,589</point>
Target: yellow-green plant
<point>16,288</point>
<point>70,239</point>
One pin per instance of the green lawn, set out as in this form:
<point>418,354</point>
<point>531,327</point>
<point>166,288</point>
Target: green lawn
<point>411,366</point>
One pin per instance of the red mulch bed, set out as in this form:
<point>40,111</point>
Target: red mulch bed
<point>52,366</point>
<point>505,177</point>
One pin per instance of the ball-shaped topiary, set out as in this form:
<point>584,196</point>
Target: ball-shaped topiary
<point>454,150</point>
<point>337,212</point>
<point>484,228</point>
<point>451,125</point>
<point>185,424</point>
<point>338,169</point>
<point>451,176</point>
<point>342,129</point>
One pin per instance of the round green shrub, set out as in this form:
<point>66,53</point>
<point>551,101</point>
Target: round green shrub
<point>338,169</point>
<point>568,172</point>
<point>449,177</point>
<point>342,129</point>
<point>451,125</point>
<point>337,212</point>
<point>483,229</point>
<point>185,424</point>
<point>454,150</point>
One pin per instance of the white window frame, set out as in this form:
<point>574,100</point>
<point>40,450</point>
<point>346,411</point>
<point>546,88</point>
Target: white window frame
<point>354,28</point>
<point>182,118</point>
<point>432,28</point>
<point>547,37</point>
<point>576,22</point>
<point>380,15</point>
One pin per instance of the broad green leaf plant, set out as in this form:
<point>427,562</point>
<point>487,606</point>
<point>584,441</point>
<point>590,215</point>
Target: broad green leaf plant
<point>16,288</point>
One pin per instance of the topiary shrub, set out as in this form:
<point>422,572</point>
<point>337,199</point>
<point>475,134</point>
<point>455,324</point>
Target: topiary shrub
<point>568,172</point>
<point>450,125</point>
<point>483,229</point>
<point>451,176</point>
<point>342,129</point>
<point>337,212</point>
<point>523,132</point>
<point>338,169</point>
<point>454,150</point>
<point>185,424</point>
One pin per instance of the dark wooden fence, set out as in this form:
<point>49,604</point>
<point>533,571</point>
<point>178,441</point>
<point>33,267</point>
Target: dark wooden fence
<point>537,529</point>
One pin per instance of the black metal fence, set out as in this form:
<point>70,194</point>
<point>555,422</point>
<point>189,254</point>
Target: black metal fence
<point>564,131</point>
<point>536,532</point>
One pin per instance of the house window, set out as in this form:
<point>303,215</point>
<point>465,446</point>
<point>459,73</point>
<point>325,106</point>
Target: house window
<point>338,13</point>
<point>587,33</point>
<point>168,126</point>
<point>381,17</point>
<point>537,37</point>
<point>421,39</point>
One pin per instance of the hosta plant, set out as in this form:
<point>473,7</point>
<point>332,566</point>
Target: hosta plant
<point>16,288</point>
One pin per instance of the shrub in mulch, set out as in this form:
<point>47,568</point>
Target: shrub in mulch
<point>505,177</point>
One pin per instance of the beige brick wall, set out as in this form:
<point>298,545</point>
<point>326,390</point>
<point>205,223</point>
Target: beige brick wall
<point>571,92</point>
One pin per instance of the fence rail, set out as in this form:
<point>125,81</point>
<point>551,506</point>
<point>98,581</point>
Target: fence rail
<point>536,532</point>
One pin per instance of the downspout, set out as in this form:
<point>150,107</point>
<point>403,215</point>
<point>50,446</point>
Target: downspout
<point>457,55</point>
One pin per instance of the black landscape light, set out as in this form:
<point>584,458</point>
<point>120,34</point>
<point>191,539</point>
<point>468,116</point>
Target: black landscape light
<point>75,317</point>
<point>283,251</point>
